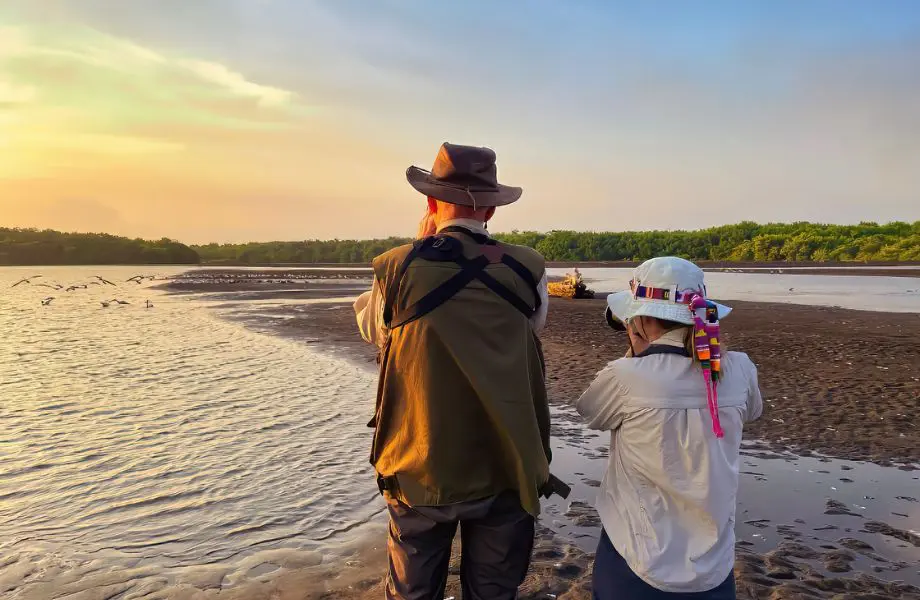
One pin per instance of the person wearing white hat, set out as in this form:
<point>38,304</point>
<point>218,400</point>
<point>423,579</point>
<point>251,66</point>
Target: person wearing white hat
<point>675,407</point>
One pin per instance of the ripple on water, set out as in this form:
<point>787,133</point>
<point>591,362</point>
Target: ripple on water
<point>169,436</point>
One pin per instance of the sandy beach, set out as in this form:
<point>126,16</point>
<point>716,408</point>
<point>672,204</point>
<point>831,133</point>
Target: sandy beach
<point>837,384</point>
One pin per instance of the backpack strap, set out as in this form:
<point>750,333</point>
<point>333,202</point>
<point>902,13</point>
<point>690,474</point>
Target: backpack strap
<point>470,269</point>
<point>444,248</point>
<point>506,259</point>
<point>394,289</point>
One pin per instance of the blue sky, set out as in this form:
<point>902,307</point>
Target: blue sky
<point>288,119</point>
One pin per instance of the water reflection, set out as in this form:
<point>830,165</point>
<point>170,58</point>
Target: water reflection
<point>165,439</point>
<point>871,510</point>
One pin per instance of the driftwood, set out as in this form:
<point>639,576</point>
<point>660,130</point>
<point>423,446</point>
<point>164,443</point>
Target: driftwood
<point>570,287</point>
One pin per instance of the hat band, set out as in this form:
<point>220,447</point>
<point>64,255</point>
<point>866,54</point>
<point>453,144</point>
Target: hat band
<point>670,294</point>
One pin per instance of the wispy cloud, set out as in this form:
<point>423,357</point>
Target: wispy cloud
<point>628,116</point>
<point>236,84</point>
<point>69,93</point>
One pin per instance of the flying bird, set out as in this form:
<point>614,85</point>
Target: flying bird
<point>47,300</point>
<point>82,286</point>
<point>26,280</point>
<point>139,278</point>
<point>55,286</point>
<point>103,280</point>
<point>116,300</point>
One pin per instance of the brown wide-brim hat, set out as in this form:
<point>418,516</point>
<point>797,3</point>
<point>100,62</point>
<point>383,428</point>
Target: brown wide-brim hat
<point>463,175</point>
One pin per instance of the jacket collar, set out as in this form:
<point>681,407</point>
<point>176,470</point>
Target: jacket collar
<point>470,224</point>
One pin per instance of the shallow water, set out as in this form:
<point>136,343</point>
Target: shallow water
<point>860,292</point>
<point>166,437</point>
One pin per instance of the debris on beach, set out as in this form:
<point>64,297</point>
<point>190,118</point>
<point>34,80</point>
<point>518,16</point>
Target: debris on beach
<point>572,286</point>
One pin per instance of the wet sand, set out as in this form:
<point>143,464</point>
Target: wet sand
<point>836,383</point>
<point>839,382</point>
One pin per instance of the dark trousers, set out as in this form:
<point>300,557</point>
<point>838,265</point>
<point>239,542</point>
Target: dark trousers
<point>614,580</point>
<point>496,537</point>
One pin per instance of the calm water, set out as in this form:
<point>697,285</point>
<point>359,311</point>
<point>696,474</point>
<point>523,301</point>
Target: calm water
<point>166,435</point>
<point>885,294</point>
<point>167,449</point>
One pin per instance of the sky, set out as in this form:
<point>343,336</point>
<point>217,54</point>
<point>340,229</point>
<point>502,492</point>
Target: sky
<point>257,120</point>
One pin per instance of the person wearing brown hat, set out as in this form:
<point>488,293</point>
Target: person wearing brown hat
<point>462,421</point>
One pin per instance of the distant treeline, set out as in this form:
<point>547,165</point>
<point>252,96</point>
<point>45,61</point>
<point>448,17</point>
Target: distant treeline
<point>746,241</point>
<point>47,247</point>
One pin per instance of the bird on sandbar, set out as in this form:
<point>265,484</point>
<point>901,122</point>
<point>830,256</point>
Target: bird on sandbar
<point>149,304</point>
<point>104,303</point>
<point>117,301</point>
<point>47,300</point>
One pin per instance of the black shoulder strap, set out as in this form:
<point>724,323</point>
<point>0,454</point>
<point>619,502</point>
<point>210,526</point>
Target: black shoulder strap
<point>525,274</point>
<point>515,300</point>
<point>476,237</point>
<point>509,261</point>
<point>662,349</point>
<point>470,269</point>
<point>394,285</point>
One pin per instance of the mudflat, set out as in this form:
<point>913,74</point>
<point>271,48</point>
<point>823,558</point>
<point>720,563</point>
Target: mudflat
<point>836,383</point>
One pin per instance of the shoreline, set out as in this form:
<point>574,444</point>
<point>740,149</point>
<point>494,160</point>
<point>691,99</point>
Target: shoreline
<point>809,407</point>
<point>801,405</point>
<point>869,269</point>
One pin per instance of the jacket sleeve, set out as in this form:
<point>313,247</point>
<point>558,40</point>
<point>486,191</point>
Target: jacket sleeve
<point>369,314</point>
<point>602,404</point>
<point>754,400</point>
<point>538,320</point>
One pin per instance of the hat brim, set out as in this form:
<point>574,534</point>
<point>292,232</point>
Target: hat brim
<point>624,307</point>
<point>425,184</point>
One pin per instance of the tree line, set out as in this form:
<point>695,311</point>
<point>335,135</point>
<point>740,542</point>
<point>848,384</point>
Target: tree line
<point>48,247</point>
<point>746,241</point>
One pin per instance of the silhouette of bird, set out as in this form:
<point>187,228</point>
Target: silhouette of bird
<point>139,278</point>
<point>104,303</point>
<point>47,300</point>
<point>81,286</point>
<point>26,280</point>
<point>103,280</point>
<point>54,286</point>
<point>149,304</point>
<point>116,300</point>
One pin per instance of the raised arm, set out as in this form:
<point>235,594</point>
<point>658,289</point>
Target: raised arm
<point>369,314</point>
<point>602,404</point>
<point>538,320</point>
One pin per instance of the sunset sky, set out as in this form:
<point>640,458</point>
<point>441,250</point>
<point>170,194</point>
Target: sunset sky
<point>235,120</point>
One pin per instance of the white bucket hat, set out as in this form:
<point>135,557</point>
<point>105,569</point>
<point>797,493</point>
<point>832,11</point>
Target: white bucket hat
<point>661,288</point>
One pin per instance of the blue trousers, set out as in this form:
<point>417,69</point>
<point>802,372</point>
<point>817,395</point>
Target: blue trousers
<point>614,580</point>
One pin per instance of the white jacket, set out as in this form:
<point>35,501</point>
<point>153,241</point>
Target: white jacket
<point>668,497</point>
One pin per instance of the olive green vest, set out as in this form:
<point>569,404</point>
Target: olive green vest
<point>462,410</point>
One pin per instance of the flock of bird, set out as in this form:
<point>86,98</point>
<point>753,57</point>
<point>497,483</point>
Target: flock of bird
<point>97,280</point>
